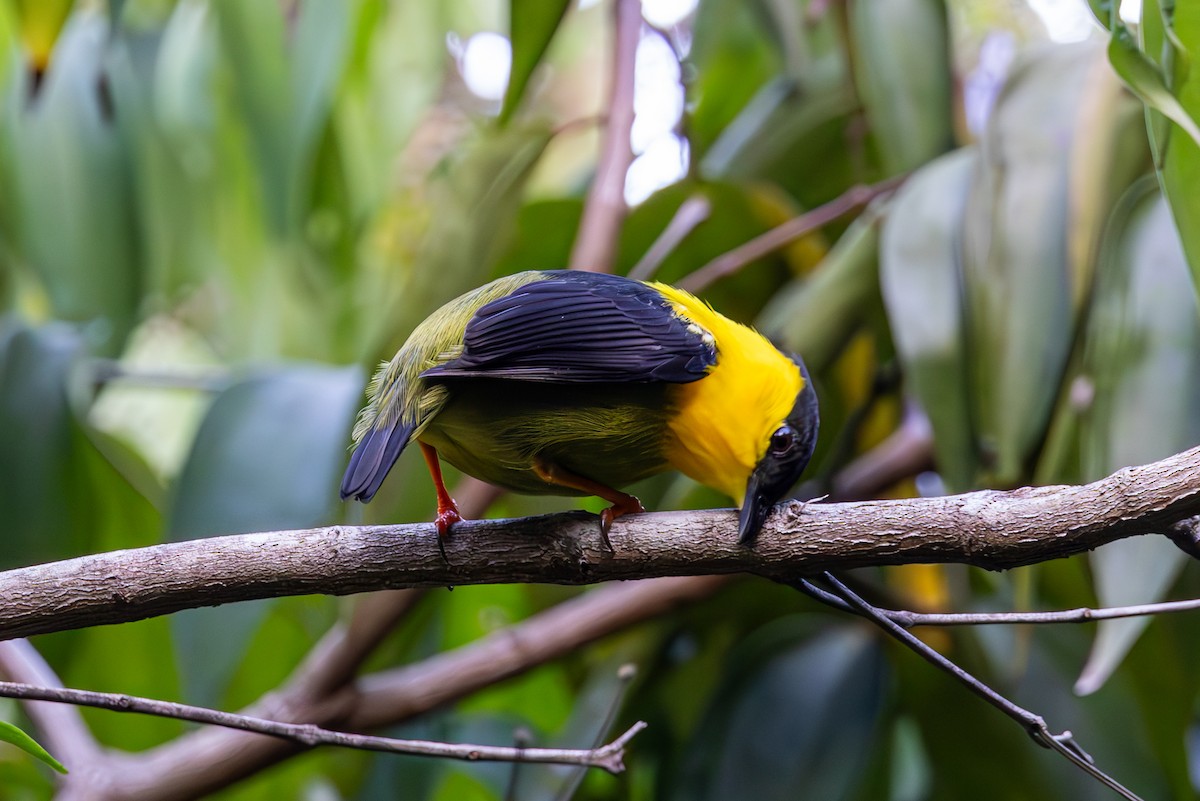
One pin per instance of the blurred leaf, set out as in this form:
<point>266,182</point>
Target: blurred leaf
<point>817,315</point>
<point>731,59</point>
<point>268,453</point>
<point>909,38</point>
<point>72,193</point>
<point>1143,356</point>
<point>11,734</point>
<point>35,438</point>
<point>794,724</point>
<point>267,457</point>
<point>532,24</point>
<point>1021,289</point>
<point>921,265</point>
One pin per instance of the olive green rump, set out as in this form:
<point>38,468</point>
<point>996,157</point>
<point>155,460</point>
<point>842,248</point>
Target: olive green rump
<point>497,430</point>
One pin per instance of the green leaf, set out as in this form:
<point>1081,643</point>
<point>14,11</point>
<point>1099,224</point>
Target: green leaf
<point>11,734</point>
<point>1023,290</point>
<point>817,315</point>
<point>921,277</point>
<point>1143,357</point>
<point>793,723</point>
<point>267,457</point>
<point>909,38</point>
<point>532,24</point>
<point>1146,80</point>
<point>72,203</point>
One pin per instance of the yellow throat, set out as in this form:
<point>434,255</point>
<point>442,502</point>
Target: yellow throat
<point>724,421</point>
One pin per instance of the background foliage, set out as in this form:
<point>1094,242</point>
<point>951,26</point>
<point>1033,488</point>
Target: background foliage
<point>216,216</point>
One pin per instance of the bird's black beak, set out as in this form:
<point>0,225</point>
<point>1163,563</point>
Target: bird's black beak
<point>755,508</point>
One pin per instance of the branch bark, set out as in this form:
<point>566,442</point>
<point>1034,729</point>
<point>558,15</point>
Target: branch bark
<point>989,529</point>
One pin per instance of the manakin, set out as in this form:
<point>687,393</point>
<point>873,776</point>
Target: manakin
<point>574,383</point>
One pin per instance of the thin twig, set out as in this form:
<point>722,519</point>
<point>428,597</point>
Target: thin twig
<point>728,263</point>
<point>596,243</point>
<point>1082,614</point>
<point>690,214</point>
<point>62,729</point>
<point>1033,724</point>
<point>608,757</point>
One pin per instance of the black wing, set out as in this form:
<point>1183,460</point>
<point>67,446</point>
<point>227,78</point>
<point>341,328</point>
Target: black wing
<point>576,327</point>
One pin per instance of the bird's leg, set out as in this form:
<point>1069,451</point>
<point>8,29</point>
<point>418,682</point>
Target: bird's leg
<point>447,511</point>
<point>622,503</point>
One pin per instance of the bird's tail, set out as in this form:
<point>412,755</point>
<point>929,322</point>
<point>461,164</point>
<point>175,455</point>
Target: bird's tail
<point>374,456</point>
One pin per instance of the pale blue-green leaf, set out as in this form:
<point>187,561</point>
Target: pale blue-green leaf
<point>1143,357</point>
<point>532,24</point>
<point>11,734</point>
<point>267,456</point>
<point>920,264</point>
<point>1020,288</point>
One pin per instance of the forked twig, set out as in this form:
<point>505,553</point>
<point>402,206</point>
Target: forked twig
<point>1033,724</point>
<point>609,757</point>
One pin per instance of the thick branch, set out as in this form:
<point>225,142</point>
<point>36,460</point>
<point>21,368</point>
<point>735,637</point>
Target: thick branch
<point>990,529</point>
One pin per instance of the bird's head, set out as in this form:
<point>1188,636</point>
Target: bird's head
<point>787,453</point>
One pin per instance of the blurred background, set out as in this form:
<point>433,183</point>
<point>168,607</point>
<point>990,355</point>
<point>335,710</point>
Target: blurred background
<point>217,216</point>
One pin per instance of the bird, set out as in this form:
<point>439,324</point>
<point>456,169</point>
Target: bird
<point>564,382</point>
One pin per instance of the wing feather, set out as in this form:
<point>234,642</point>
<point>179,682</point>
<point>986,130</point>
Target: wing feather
<point>581,328</point>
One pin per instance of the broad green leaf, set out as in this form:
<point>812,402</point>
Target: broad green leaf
<point>794,725</point>
<point>911,120</point>
<point>1180,172</point>
<point>532,24</point>
<point>921,264</point>
<point>14,736</point>
<point>1143,356</point>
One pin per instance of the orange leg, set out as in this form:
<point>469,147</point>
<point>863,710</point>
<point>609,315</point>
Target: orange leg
<point>622,503</point>
<point>447,511</point>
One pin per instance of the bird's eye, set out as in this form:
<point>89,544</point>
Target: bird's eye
<point>783,440</point>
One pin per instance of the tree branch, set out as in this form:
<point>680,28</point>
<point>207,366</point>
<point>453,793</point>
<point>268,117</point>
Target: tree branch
<point>609,757</point>
<point>989,529</point>
<point>770,241</point>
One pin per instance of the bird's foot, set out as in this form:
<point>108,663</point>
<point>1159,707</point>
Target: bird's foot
<point>447,516</point>
<point>627,505</point>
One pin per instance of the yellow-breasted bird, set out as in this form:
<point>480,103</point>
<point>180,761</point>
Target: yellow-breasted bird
<point>573,383</point>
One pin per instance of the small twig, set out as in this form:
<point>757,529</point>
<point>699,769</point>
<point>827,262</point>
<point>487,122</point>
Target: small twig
<point>608,757</point>
<point>596,243</point>
<point>734,260</point>
<point>1033,724</point>
<point>1081,614</point>
<point>690,214</point>
<point>62,729</point>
